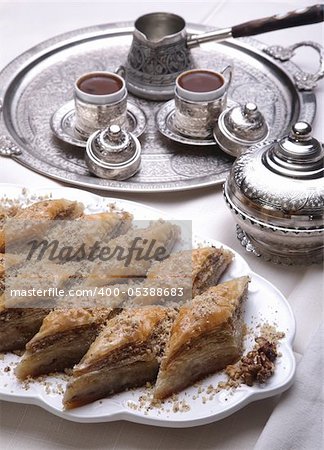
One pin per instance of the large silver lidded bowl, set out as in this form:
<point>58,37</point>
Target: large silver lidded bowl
<point>276,192</point>
<point>113,153</point>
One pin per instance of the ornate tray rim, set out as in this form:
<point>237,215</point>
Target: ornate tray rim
<point>11,146</point>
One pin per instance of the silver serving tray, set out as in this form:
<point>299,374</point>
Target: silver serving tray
<point>39,81</point>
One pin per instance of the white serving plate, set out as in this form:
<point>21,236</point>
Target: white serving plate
<point>265,304</point>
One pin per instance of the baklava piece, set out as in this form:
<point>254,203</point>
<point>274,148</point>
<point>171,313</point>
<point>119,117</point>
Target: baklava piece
<point>40,215</point>
<point>22,310</point>
<point>109,225</point>
<point>7,262</point>
<point>205,337</point>
<point>61,342</point>
<point>17,325</point>
<point>126,264</point>
<point>36,283</point>
<point>6,212</point>
<point>51,210</point>
<point>126,354</point>
<point>208,265</point>
<point>90,229</point>
<point>188,273</point>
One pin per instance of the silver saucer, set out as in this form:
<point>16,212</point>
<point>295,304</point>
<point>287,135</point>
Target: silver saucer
<point>62,123</point>
<point>164,121</point>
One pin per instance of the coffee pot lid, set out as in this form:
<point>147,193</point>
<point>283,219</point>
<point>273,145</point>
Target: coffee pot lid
<point>281,182</point>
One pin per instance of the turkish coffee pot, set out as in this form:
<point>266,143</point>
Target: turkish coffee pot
<point>160,50</point>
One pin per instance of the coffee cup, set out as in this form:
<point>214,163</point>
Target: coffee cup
<point>200,98</point>
<point>100,101</point>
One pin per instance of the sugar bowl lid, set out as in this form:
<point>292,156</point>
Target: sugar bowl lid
<point>239,127</point>
<point>281,182</point>
<point>113,153</point>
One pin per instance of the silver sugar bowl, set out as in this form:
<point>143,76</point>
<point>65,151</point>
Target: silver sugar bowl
<point>113,153</point>
<point>275,191</point>
<point>239,127</point>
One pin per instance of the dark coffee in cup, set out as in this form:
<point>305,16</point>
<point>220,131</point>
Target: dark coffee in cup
<point>200,97</point>
<point>99,84</point>
<point>100,100</point>
<point>201,81</point>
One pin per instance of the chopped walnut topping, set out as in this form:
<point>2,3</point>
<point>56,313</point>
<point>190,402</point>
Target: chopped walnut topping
<point>146,403</point>
<point>257,365</point>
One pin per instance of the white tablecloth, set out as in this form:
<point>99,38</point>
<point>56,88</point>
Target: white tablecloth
<point>24,24</point>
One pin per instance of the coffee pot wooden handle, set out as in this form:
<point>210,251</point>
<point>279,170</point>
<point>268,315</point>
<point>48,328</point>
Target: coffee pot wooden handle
<point>305,16</point>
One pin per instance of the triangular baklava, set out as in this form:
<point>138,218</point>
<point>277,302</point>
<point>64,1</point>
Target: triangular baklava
<point>125,354</point>
<point>183,275</point>
<point>6,212</point>
<point>208,265</point>
<point>22,310</point>
<point>205,337</point>
<point>35,219</point>
<point>17,325</point>
<point>63,339</point>
<point>148,241</point>
<point>90,229</point>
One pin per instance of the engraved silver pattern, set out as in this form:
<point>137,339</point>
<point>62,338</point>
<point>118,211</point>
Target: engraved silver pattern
<point>304,80</point>
<point>275,244</point>
<point>275,192</point>
<point>253,180</point>
<point>62,123</point>
<point>90,117</point>
<point>8,147</point>
<point>165,118</point>
<point>166,166</point>
<point>158,66</point>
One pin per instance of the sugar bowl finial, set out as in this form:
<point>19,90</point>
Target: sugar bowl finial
<point>301,129</point>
